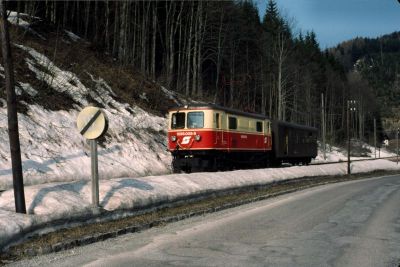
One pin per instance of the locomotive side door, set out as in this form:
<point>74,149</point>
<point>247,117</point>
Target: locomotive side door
<point>218,133</point>
<point>232,136</point>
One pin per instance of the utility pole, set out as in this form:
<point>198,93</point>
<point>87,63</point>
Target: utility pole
<point>12,114</point>
<point>351,106</point>
<point>375,136</point>
<point>323,126</point>
<point>348,138</point>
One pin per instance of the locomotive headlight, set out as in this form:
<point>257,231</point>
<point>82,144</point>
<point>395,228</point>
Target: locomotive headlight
<point>197,137</point>
<point>173,138</point>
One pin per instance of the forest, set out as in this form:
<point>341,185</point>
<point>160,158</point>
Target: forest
<point>224,52</point>
<point>378,62</point>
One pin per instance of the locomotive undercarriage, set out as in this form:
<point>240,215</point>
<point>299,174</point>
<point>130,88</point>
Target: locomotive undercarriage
<point>214,160</point>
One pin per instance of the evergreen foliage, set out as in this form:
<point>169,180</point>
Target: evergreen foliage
<point>378,62</point>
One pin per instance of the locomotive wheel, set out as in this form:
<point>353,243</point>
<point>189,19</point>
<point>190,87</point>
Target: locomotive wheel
<point>176,169</point>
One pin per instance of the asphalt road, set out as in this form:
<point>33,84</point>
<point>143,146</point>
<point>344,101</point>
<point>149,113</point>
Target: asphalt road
<point>347,224</point>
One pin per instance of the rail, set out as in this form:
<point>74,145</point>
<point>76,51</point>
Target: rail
<point>394,158</point>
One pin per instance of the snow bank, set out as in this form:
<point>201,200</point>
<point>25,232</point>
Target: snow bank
<point>54,151</point>
<point>48,202</point>
<point>336,154</point>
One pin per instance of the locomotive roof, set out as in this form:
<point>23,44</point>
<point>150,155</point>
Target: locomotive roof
<point>197,106</point>
<point>218,107</point>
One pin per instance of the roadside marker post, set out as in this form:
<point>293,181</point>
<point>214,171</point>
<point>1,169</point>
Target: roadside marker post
<point>92,123</point>
<point>397,150</point>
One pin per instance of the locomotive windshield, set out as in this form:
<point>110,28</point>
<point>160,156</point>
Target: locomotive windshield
<point>178,120</point>
<point>195,120</point>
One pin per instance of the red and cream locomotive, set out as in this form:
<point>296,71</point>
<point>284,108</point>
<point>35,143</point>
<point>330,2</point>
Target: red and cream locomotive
<point>210,137</point>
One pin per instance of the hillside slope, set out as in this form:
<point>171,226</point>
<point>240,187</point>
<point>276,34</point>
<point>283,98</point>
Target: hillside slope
<point>377,60</point>
<point>57,74</point>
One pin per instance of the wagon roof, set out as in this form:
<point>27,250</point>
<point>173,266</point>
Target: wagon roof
<point>294,125</point>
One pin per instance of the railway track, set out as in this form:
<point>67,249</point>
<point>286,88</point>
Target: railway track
<point>369,159</point>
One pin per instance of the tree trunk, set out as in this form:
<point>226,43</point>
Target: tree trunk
<point>202,23</point>
<point>195,46</point>
<point>187,92</point>
<point>107,34</point>
<point>153,48</point>
<point>219,55</point>
<point>122,32</point>
<point>263,94</point>
<point>116,22</point>
<point>87,18</point>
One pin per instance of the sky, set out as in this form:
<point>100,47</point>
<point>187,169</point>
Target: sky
<point>335,21</point>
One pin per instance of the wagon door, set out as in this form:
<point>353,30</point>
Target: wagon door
<point>286,142</point>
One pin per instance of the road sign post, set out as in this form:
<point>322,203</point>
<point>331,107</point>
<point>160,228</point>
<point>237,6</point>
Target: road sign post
<point>92,123</point>
<point>95,173</point>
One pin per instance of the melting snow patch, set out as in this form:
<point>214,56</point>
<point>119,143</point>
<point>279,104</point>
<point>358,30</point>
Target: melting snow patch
<point>73,36</point>
<point>59,80</point>
<point>143,96</point>
<point>172,95</point>
<point>27,88</point>
<point>16,19</point>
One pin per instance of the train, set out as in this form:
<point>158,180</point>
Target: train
<point>209,137</point>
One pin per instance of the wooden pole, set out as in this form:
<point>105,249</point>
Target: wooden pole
<point>348,138</point>
<point>375,136</point>
<point>12,115</point>
<point>323,126</point>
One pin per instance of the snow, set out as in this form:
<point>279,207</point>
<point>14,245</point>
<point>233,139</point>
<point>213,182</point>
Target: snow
<point>171,95</point>
<point>178,99</point>
<point>17,19</point>
<point>2,70</point>
<point>14,19</point>
<point>25,87</point>
<point>336,154</point>
<point>73,36</point>
<point>49,202</point>
<point>54,151</point>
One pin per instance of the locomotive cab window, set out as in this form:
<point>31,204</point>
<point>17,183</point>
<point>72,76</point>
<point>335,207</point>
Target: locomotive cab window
<point>259,126</point>
<point>232,123</point>
<point>195,120</point>
<point>178,120</point>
